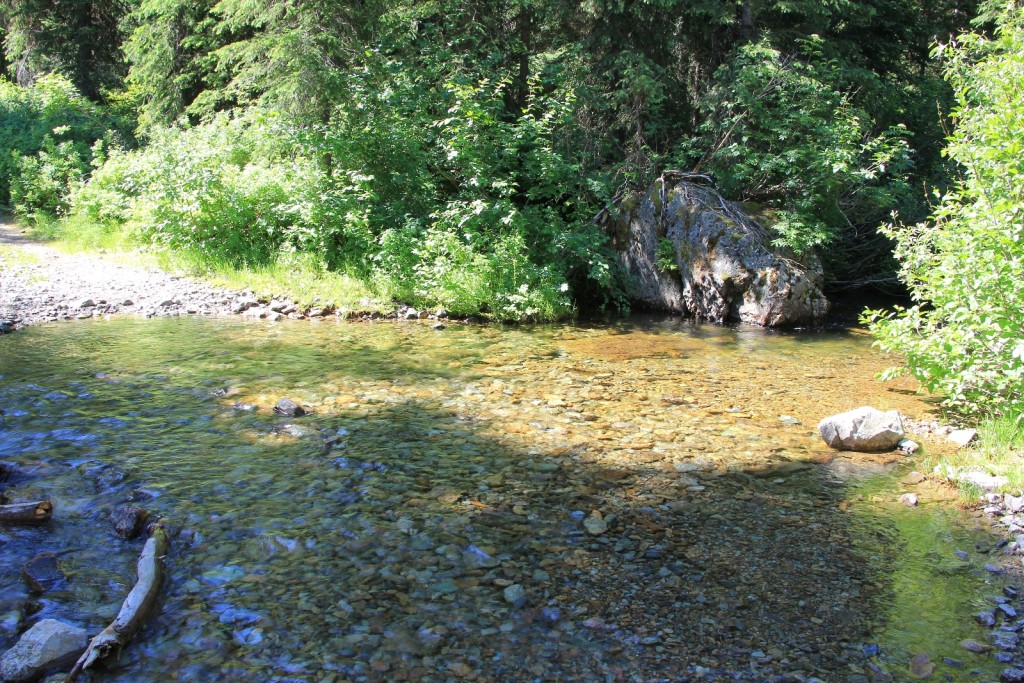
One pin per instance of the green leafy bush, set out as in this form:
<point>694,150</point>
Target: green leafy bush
<point>781,130</point>
<point>48,133</point>
<point>964,336</point>
<point>42,183</point>
<point>238,187</point>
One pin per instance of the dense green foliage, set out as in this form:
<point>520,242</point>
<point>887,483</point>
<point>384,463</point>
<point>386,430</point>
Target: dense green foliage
<point>454,154</point>
<point>48,140</point>
<point>965,266</point>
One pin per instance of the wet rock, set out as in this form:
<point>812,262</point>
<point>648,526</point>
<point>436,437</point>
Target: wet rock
<point>1008,611</point>
<point>129,520</point>
<point>9,622</point>
<point>986,619</point>
<point>42,572</point>
<point>913,478</point>
<point>142,495</point>
<point>909,499</point>
<point>595,526</point>
<point>1006,641</point>
<point>975,646</point>
<point>514,595</point>
<point>1012,675</point>
<point>243,305</point>
<point>864,429</point>
<point>85,303</point>
<point>921,666</point>
<point>289,408</point>
<point>109,478</point>
<point>50,644</point>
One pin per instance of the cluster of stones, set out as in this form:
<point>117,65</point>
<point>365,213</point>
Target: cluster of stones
<point>1007,512</point>
<point>1005,623</point>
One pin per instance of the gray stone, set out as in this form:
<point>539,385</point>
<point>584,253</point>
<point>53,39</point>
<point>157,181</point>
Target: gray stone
<point>975,647</point>
<point>129,520</point>
<point>514,595</point>
<point>907,446</point>
<point>595,526</point>
<point>909,499</point>
<point>42,572</point>
<point>863,429</point>
<point>289,408</point>
<point>243,305</point>
<point>983,480</point>
<point>50,644</point>
<point>1005,640</point>
<point>1012,675</point>
<point>962,437</point>
<point>721,265</point>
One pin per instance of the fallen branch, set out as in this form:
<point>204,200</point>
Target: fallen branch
<point>136,606</point>
<point>27,513</point>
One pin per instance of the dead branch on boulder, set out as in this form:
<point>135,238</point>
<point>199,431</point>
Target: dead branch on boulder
<point>26,513</point>
<point>136,606</point>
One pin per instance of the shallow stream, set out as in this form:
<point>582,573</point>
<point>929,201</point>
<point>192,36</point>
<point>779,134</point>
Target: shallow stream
<point>641,500</point>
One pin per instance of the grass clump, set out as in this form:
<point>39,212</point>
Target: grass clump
<point>998,451</point>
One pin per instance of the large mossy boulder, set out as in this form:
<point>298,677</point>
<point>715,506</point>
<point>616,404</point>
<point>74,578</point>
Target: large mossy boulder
<point>689,251</point>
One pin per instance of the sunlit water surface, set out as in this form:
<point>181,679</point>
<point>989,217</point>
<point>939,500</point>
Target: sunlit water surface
<point>642,500</point>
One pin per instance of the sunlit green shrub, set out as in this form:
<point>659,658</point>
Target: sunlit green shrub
<point>48,132</point>
<point>781,130</point>
<point>964,337</point>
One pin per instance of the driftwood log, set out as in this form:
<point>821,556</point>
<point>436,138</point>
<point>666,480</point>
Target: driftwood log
<point>136,606</point>
<point>27,513</point>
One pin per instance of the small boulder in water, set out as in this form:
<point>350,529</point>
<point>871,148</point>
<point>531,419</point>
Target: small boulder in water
<point>863,429</point>
<point>909,499</point>
<point>48,645</point>
<point>129,520</point>
<point>42,572</point>
<point>289,408</point>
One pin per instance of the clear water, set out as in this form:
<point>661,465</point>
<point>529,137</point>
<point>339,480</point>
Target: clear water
<point>382,536</point>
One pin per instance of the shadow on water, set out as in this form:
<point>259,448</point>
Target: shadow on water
<point>403,532</point>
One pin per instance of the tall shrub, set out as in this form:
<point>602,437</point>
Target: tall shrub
<point>964,336</point>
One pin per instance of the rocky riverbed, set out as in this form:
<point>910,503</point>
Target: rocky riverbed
<point>561,503</point>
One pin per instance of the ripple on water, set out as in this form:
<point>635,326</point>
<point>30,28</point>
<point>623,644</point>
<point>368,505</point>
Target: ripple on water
<point>566,502</point>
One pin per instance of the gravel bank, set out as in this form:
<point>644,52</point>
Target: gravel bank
<point>40,284</point>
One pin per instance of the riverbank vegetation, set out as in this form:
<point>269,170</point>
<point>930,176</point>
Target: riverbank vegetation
<point>452,155</point>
